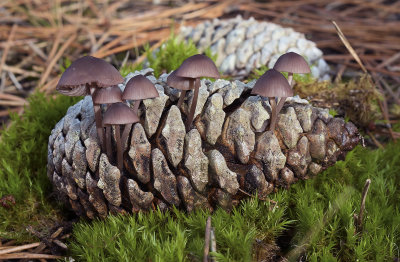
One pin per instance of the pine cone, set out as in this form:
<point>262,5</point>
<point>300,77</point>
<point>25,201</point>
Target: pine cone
<point>227,155</point>
<point>244,45</point>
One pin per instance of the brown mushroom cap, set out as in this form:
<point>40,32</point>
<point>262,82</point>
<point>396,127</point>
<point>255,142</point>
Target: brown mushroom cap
<point>198,66</point>
<point>181,83</point>
<point>89,70</point>
<point>272,84</point>
<point>119,114</point>
<point>139,87</point>
<point>293,63</point>
<point>107,95</point>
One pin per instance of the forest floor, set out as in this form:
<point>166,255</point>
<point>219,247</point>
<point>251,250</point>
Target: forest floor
<point>38,38</point>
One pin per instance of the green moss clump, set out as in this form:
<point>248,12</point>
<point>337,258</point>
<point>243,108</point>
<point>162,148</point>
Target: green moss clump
<point>178,236</point>
<point>358,99</point>
<point>324,208</point>
<point>319,213</point>
<point>23,159</point>
<point>298,78</point>
<point>169,57</point>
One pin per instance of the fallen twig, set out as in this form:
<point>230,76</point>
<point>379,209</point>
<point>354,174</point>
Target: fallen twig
<point>28,256</point>
<point>207,240</point>
<point>213,244</point>
<point>359,217</point>
<point>18,248</point>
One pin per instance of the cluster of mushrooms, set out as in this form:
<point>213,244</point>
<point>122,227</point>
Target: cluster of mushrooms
<point>93,76</point>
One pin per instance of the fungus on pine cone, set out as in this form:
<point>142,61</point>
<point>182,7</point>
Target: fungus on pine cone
<point>227,152</point>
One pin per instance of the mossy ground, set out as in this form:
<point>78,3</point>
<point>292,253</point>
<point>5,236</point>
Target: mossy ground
<point>312,220</point>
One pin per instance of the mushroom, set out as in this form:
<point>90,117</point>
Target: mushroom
<point>292,63</point>
<point>83,77</point>
<point>137,89</point>
<point>107,95</point>
<point>119,114</point>
<point>181,83</point>
<point>273,85</point>
<point>195,67</point>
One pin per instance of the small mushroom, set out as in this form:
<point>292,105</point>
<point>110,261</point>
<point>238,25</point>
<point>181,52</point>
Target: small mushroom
<point>137,89</point>
<point>292,63</point>
<point>272,84</point>
<point>107,96</point>
<point>83,77</point>
<point>195,67</point>
<point>181,83</point>
<point>119,114</point>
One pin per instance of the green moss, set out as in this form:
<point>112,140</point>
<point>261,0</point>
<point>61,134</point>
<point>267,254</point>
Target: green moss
<point>298,78</point>
<point>358,99</point>
<point>23,158</point>
<point>324,208</point>
<point>178,236</point>
<point>169,57</point>
<point>319,212</point>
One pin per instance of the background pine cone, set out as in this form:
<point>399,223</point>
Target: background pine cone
<point>243,45</point>
<point>226,156</point>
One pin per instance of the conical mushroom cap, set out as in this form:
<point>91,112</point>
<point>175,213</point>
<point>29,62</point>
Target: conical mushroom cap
<point>89,70</point>
<point>119,114</point>
<point>198,66</point>
<point>139,87</point>
<point>293,63</point>
<point>272,84</point>
<point>181,83</point>
<point>107,95</point>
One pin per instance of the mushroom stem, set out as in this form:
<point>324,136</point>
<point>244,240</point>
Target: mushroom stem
<point>136,106</point>
<point>280,104</point>
<point>108,142</point>
<point>183,93</point>
<point>125,136</point>
<point>99,126</point>
<point>189,120</point>
<point>98,120</point>
<point>119,147</point>
<point>277,110</point>
<point>273,110</point>
<point>290,78</point>
<point>181,98</point>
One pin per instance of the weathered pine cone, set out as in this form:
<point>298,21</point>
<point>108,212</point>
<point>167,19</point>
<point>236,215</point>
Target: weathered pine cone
<point>243,45</point>
<point>227,155</point>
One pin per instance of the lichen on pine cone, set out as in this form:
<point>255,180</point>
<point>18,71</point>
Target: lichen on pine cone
<point>227,154</point>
